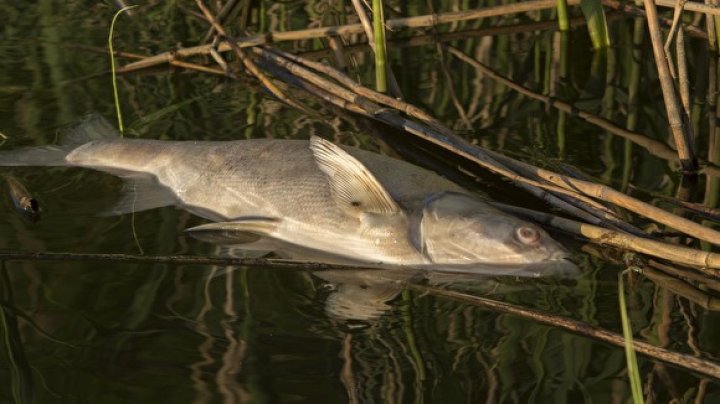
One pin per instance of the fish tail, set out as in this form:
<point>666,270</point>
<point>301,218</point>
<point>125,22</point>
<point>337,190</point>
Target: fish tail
<point>94,127</point>
<point>35,156</point>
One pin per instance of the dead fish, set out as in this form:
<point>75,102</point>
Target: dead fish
<point>23,201</point>
<point>311,197</point>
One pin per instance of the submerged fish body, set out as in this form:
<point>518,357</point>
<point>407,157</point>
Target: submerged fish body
<point>311,196</point>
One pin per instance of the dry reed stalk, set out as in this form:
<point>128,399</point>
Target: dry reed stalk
<point>690,6</point>
<point>197,67</point>
<point>654,147</point>
<point>613,196</point>
<point>683,79</point>
<point>694,208</point>
<point>603,192</point>
<point>374,96</point>
<point>690,362</point>
<point>609,216</point>
<point>682,288</point>
<point>706,262</point>
<point>392,24</point>
<point>344,98</point>
<point>602,215</point>
<point>681,130</point>
<point>479,156</point>
<point>632,10</point>
<point>689,274</point>
<point>677,13</point>
<point>248,63</point>
<point>338,51</point>
<point>431,39</point>
<point>220,17</point>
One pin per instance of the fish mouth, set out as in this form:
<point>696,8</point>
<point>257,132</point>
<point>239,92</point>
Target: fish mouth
<point>560,254</point>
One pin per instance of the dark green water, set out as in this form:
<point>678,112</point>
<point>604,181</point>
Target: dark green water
<point>80,332</point>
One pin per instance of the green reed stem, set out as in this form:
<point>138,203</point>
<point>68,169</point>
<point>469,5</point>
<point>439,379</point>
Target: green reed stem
<point>562,15</point>
<point>632,365</point>
<point>112,67</point>
<point>379,32</point>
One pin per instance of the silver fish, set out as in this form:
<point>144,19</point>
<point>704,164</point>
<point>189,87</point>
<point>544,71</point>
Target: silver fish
<point>333,202</point>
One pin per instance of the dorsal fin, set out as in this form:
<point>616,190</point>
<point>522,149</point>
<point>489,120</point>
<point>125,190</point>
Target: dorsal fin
<point>92,127</point>
<point>352,184</point>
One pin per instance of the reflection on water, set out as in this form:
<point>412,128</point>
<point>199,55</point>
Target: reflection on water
<point>111,332</point>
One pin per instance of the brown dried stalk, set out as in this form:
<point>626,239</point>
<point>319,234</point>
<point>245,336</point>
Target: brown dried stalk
<point>678,120</point>
<point>374,96</point>
<point>705,262</point>
<point>682,288</point>
<point>249,64</point>
<point>347,99</point>
<point>392,24</point>
<point>479,156</point>
<point>654,147</point>
<point>690,362</point>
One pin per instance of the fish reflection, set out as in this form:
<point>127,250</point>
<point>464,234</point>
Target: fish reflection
<point>365,295</point>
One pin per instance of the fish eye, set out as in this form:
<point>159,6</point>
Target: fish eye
<point>527,235</point>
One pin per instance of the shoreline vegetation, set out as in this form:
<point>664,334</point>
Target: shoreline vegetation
<point>583,207</point>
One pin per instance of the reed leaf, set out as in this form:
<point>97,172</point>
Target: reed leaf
<point>632,365</point>
<point>597,23</point>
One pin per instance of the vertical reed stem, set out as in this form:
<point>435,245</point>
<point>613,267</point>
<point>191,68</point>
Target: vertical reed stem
<point>678,121</point>
<point>562,15</point>
<point>682,70</point>
<point>379,31</point>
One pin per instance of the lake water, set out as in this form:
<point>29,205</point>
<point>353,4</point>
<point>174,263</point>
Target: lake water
<point>134,333</point>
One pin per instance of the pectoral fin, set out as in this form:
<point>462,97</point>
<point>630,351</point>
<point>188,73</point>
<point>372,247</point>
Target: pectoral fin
<point>354,186</point>
<point>139,193</point>
<point>239,231</point>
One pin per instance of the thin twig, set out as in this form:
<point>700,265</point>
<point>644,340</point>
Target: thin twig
<point>690,362</point>
<point>677,14</point>
<point>9,255</point>
<point>249,64</point>
<point>220,18</point>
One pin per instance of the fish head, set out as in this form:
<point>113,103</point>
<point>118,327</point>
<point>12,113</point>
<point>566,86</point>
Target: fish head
<point>457,229</point>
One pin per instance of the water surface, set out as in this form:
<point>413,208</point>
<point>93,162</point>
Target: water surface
<point>111,332</point>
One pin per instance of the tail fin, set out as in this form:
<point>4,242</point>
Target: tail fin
<point>35,156</point>
<point>94,127</point>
